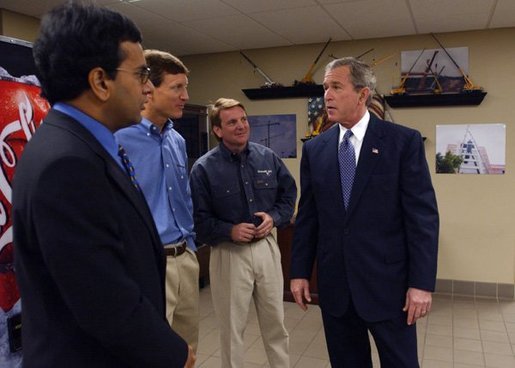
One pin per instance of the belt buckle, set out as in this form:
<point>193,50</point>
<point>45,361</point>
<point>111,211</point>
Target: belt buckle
<point>174,252</point>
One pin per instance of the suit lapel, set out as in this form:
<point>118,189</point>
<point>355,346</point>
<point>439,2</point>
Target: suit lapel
<point>369,155</point>
<point>135,197</point>
<point>115,171</point>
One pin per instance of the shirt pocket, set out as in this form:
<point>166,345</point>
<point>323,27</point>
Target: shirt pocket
<point>263,181</point>
<point>265,191</point>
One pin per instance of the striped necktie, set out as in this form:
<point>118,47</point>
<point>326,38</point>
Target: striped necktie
<point>128,166</point>
<point>347,161</point>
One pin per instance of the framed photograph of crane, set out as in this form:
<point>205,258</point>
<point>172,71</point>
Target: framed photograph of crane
<point>434,70</point>
<point>471,149</point>
<point>277,132</point>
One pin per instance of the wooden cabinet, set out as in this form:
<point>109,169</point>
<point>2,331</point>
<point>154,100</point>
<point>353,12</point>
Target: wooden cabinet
<point>284,240</point>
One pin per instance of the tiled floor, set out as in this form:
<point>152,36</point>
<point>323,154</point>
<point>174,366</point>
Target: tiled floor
<point>460,332</point>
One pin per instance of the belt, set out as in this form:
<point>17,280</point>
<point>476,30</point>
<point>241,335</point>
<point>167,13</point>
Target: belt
<point>175,249</point>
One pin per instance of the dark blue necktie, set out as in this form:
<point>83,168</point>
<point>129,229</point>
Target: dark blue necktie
<point>347,160</point>
<point>128,166</point>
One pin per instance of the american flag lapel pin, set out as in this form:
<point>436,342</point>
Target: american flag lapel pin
<point>375,151</point>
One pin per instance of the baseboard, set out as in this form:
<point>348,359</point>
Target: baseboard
<point>476,289</point>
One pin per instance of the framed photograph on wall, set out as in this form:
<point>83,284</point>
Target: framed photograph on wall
<point>277,132</point>
<point>432,70</point>
<point>471,149</point>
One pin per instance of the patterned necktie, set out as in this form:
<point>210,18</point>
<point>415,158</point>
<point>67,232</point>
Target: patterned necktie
<point>128,166</point>
<point>347,160</point>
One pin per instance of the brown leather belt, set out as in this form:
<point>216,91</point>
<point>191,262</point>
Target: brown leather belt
<point>175,250</point>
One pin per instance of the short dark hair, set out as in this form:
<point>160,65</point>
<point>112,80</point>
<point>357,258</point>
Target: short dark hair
<point>161,63</point>
<point>74,38</point>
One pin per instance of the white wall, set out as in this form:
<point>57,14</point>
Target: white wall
<point>477,241</point>
<point>18,25</point>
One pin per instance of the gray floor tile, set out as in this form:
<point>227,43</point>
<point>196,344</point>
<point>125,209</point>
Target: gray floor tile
<point>469,357</point>
<point>460,332</point>
<point>499,361</point>
<point>468,344</point>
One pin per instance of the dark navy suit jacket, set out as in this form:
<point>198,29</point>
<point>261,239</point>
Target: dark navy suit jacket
<point>387,239</point>
<point>89,262</point>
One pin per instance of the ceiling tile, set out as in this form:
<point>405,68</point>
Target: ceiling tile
<point>504,14</point>
<point>344,1</point>
<point>194,44</point>
<point>201,26</point>
<point>169,35</point>
<point>373,18</point>
<point>452,23</point>
<point>286,23</point>
<point>239,31</point>
<point>253,6</point>
<point>451,16</point>
<point>187,10</point>
<point>38,8</point>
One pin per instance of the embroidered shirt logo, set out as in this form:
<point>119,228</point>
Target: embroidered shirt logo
<point>266,172</point>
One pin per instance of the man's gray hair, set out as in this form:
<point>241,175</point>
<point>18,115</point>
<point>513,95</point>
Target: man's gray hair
<point>361,74</point>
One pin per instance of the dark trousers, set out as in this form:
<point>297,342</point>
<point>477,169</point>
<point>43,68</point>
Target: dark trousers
<point>349,346</point>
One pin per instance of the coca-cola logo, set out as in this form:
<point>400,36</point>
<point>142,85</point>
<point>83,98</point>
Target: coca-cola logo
<point>22,110</point>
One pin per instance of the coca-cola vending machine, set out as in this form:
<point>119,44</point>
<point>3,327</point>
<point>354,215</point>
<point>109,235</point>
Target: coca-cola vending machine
<point>21,111</point>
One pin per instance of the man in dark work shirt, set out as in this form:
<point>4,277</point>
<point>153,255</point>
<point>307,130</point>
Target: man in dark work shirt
<point>241,191</point>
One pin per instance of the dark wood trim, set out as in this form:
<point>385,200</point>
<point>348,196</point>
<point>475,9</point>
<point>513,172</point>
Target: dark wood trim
<point>284,240</point>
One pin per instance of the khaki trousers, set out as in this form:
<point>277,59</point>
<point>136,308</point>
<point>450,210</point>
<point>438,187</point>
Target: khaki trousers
<point>239,272</point>
<point>182,296</point>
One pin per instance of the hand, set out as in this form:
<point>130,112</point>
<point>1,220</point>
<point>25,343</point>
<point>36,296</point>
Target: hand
<point>266,225</point>
<point>190,362</point>
<point>418,304</point>
<point>300,290</point>
<point>243,232</point>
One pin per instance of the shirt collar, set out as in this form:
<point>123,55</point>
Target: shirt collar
<point>154,129</point>
<point>227,154</point>
<point>358,130</point>
<point>96,128</point>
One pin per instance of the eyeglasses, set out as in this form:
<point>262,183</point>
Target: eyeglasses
<point>143,73</point>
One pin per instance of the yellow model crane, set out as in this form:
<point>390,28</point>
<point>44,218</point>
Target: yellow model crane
<point>469,85</point>
<point>400,90</point>
<point>308,78</point>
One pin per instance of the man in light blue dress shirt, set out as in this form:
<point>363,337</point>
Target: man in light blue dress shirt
<point>158,153</point>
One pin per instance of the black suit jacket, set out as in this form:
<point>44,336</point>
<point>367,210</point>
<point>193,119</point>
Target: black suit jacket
<point>89,262</point>
<point>387,239</point>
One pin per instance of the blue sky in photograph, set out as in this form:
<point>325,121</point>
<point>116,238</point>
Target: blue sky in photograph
<point>278,132</point>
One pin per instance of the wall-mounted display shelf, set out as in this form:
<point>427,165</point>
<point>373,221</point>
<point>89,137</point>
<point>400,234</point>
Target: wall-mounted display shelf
<point>474,97</point>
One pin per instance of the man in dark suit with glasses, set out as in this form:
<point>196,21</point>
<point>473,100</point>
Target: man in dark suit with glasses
<point>88,258</point>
